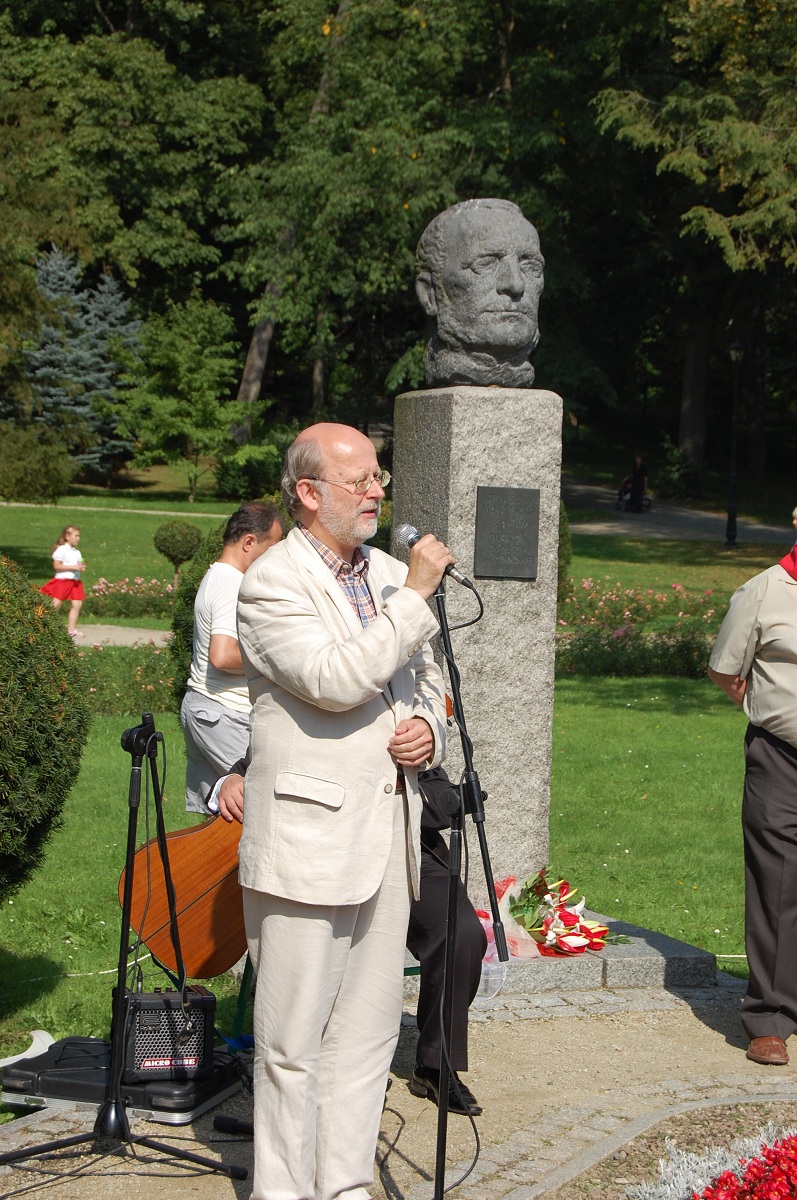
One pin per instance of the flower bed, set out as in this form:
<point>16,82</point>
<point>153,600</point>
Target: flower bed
<point>137,597</point>
<point>605,629</point>
<point>771,1175</point>
<point>600,602</point>
<point>759,1168</point>
<point>126,680</point>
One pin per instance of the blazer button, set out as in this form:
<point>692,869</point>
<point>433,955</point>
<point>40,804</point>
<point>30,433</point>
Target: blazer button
<point>388,787</point>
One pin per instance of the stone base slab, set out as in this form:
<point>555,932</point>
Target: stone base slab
<point>647,960</point>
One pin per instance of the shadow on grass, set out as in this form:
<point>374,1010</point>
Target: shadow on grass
<point>611,549</point>
<point>33,562</point>
<point>140,491</point>
<point>653,694</point>
<point>26,978</point>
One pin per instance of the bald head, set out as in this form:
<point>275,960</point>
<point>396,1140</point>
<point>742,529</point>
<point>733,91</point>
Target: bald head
<point>331,438</point>
<point>310,454</point>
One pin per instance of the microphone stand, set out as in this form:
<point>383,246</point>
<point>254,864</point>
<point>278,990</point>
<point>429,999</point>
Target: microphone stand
<point>473,803</point>
<point>112,1129</point>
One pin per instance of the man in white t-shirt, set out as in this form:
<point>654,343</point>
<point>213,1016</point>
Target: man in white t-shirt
<point>216,706</point>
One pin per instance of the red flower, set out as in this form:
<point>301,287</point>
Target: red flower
<point>771,1176</point>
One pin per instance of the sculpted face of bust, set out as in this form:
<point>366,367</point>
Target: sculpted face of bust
<point>480,278</point>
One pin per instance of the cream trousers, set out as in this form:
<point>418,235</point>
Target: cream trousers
<point>326,1021</point>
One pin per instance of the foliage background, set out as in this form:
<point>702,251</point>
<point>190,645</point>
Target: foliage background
<point>255,177</point>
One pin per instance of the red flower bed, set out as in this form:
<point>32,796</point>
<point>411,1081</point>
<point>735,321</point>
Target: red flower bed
<point>771,1176</point>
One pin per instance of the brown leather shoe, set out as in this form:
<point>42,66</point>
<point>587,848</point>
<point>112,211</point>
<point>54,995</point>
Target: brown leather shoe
<point>771,1051</point>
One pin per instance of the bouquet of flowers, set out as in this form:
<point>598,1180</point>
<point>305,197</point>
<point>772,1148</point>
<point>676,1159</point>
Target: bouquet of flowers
<point>549,913</point>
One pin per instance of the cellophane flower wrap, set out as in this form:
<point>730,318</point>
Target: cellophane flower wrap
<point>553,917</point>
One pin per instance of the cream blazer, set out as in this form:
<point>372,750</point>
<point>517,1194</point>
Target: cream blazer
<point>327,695</point>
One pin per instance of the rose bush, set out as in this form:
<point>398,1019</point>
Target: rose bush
<point>136,597</point>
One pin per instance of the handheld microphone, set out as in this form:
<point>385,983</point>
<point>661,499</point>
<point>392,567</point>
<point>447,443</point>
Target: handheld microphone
<point>408,535</point>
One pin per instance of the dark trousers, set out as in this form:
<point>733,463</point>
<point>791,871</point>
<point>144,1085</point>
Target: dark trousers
<point>769,823</point>
<point>426,940</point>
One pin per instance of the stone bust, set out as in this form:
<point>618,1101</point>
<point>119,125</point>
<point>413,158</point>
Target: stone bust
<point>479,281</point>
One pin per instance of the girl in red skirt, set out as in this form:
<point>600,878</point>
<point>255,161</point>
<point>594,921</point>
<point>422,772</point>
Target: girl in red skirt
<point>68,565</point>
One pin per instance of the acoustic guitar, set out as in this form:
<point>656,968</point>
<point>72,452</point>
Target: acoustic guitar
<point>203,861</point>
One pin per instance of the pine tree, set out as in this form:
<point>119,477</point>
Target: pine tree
<point>74,368</point>
<point>111,332</point>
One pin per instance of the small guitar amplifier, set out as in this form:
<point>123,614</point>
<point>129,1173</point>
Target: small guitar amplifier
<point>161,1042</point>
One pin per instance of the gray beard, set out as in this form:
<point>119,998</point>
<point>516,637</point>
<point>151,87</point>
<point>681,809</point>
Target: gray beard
<point>345,529</point>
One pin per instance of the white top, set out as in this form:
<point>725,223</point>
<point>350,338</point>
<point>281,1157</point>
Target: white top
<point>215,612</point>
<point>67,555</point>
<point>758,641</point>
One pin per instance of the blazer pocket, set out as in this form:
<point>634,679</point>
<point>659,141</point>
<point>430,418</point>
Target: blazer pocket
<point>309,787</point>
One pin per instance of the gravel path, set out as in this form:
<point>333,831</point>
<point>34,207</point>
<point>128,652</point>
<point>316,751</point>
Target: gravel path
<point>578,1090</point>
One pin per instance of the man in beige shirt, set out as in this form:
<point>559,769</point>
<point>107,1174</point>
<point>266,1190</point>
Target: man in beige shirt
<point>754,661</point>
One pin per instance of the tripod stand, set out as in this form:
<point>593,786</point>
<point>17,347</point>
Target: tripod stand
<point>111,1130</point>
<point>473,803</point>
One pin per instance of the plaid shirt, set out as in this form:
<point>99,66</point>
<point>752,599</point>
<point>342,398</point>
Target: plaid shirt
<point>352,577</point>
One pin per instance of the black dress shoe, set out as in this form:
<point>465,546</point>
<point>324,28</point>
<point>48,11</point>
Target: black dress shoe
<point>461,1100</point>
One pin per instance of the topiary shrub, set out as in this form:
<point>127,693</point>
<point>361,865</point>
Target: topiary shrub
<point>34,465</point>
<point>178,541</point>
<point>44,723</point>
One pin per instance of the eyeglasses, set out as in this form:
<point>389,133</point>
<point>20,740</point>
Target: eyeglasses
<point>361,485</point>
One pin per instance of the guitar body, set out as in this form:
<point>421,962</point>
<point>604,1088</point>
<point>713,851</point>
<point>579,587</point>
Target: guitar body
<point>203,861</point>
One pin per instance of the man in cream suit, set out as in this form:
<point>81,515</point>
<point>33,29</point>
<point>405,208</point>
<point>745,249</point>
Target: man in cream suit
<point>348,707</point>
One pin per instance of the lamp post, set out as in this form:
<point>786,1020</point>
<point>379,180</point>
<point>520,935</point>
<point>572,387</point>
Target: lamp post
<point>736,351</point>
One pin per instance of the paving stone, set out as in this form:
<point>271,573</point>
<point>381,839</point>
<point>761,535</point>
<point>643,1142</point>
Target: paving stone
<point>508,1152</point>
<point>605,1122</point>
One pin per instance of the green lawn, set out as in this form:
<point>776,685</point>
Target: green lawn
<point>645,804</point>
<point>59,936</point>
<point>115,545</point>
<point>643,562</point>
<point>644,821</point>
<point>161,486</point>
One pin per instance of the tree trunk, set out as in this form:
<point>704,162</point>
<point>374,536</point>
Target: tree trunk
<point>256,359</point>
<point>318,388</point>
<point>505,27</point>
<point>260,344</point>
<point>692,431</point>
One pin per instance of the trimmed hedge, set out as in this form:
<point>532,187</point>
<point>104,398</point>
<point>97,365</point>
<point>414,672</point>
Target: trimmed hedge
<point>44,723</point>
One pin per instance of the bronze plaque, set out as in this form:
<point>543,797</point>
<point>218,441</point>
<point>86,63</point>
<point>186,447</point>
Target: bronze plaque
<point>507,533</point>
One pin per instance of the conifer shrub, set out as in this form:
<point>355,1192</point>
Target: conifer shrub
<point>44,723</point>
<point>178,541</point>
